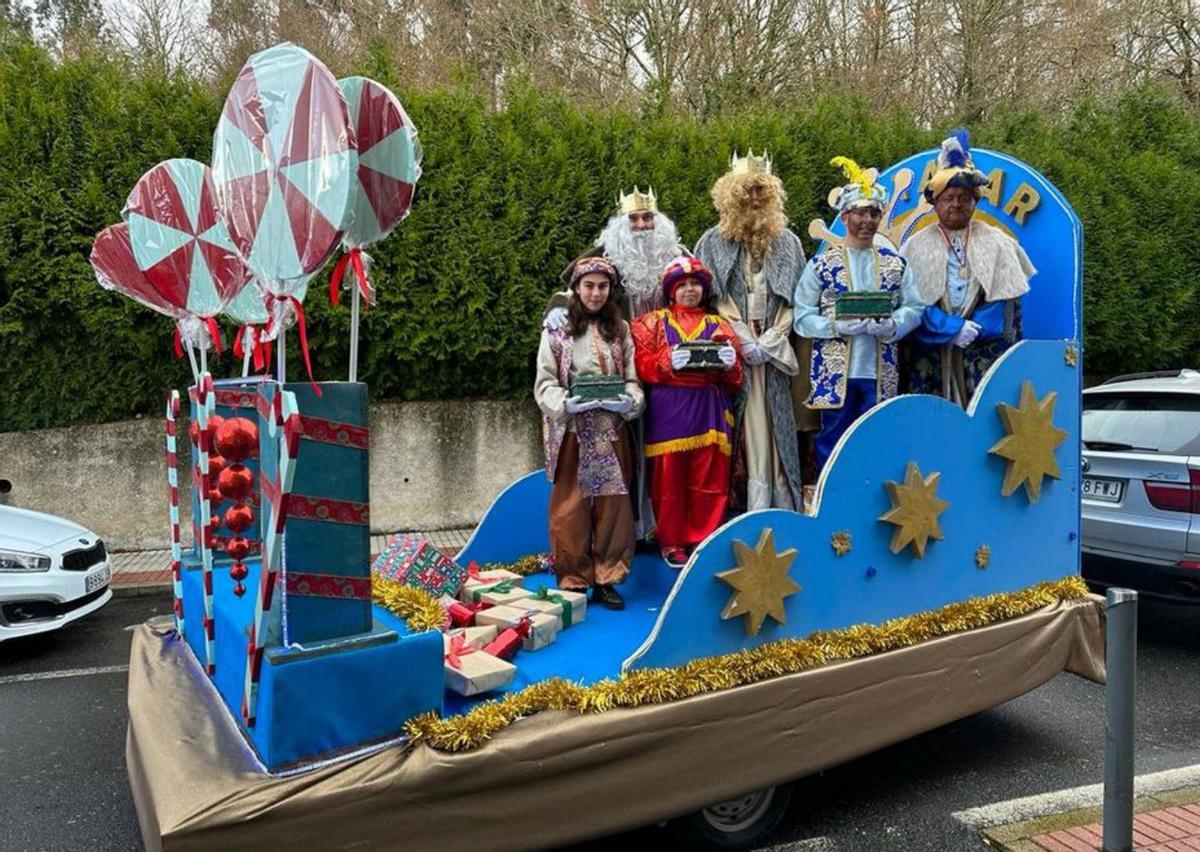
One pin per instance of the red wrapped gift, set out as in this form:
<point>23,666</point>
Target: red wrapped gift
<point>506,645</point>
<point>463,615</point>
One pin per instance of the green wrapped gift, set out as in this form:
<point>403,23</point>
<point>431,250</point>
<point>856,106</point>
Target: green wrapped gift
<point>702,354</point>
<point>871,305</point>
<point>597,387</point>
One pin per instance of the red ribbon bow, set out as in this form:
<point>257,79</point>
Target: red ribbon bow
<point>269,300</point>
<point>261,348</point>
<point>354,256</point>
<point>458,649</point>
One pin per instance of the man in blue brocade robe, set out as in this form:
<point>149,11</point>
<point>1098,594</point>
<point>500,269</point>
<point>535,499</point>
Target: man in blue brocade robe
<point>855,361</point>
<point>971,277</point>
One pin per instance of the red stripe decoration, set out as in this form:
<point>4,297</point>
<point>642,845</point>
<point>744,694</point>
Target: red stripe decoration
<point>328,586</point>
<point>332,432</point>
<point>237,399</point>
<point>304,508</point>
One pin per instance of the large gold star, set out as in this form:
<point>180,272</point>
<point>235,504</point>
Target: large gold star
<point>760,582</point>
<point>915,510</point>
<point>1030,442</point>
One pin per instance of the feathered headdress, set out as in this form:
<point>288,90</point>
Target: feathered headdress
<point>862,190</point>
<point>955,167</point>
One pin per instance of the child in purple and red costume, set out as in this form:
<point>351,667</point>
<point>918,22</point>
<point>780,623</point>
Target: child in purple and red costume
<point>689,413</point>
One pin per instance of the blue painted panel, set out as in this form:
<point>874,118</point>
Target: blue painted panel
<point>515,525</point>
<point>1029,542</point>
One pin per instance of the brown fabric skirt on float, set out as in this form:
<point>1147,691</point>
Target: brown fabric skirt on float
<point>196,786</point>
<point>592,538</point>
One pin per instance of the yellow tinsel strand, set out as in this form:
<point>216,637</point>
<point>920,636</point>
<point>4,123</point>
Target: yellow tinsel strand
<point>524,566</point>
<point>419,608</point>
<point>711,674</point>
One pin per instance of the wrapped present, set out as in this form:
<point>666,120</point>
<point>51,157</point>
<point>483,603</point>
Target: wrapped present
<point>415,562</point>
<point>597,387</point>
<point>501,616</point>
<point>494,594</point>
<point>543,631</point>
<point>470,671</point>
<point>545,607</point>
<point>869,305</point>
<point>474,637</point>
<point>492,575</point>
<point>459,613</point>
<point>703,354</point>
<point>509,640</point>
<point>574,604</point>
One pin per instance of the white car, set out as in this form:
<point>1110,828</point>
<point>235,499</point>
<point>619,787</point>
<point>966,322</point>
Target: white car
<point>52,572</point>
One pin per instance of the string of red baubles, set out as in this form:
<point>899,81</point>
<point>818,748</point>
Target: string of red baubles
<point>234,440</point>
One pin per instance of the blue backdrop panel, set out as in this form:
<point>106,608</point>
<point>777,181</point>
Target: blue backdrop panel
<point>1031,209</point>
<point>515,525</point>
<point>1029,542</point>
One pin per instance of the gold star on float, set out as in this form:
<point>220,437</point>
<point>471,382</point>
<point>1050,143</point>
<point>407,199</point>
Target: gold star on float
<point>760,582</point>
<point>915,510</point>
<point>841,542</point>
<point>1071,356</point>
<point>983,557</point>
<point>1030,443</point>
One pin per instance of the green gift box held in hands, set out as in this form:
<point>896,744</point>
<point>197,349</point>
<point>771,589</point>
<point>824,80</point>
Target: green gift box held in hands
<point>864,305</point>
<point>597,387</point>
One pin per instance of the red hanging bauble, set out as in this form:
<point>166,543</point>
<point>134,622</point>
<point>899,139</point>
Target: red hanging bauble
<point>215,497</point>
<point>214,425</point>
<point>215,465</point>
<point>238,571</point>
<point>239,589</point>
<point>239,517</point>
<point>236,482</point>
<point>238,547</point>
<point>237,439</point>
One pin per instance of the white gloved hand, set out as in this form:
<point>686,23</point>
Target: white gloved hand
<point>578,405</point>
<point>679,358</point>
<point>622,405</point>
<point>728,356</point>
<point>753,354</point>
<point>849,327</point>
<point>967,334</point>
<point>555,319</point>
<point>884,328</point>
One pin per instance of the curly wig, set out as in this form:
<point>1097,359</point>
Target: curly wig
<point>742,223</point>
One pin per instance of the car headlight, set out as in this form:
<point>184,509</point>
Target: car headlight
<point>13,561</point>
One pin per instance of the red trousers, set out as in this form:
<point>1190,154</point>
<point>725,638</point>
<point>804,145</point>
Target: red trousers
<point>690,494</point>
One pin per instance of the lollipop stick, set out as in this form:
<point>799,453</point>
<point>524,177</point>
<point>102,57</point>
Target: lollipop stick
<point>192,358</point>
<point>354,334</point>
<point>203,360</point>
<point>281,356</point>
<point>247,350</point>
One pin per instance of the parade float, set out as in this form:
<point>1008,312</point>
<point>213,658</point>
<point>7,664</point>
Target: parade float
<point>299,694</point>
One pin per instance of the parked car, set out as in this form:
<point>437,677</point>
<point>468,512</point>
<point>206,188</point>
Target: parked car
<point>1141,484</point>
<point>52,572</point>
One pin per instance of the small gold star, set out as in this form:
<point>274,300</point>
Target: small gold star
<point>760,582</point>
<point>915,510</point>
<point>983,556</point>
<point>1029,445</point>
<point>841,542</point>
<point>1071,356</point>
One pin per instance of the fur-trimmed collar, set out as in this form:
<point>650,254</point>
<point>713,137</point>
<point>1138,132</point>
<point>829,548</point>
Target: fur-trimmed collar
<point>999,266</point>
<point>784,261</point>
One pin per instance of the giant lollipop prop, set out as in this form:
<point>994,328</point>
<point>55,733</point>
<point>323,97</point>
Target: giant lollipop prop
<point>183,251</point>
<point>283,163</point>
<point>389,165</point>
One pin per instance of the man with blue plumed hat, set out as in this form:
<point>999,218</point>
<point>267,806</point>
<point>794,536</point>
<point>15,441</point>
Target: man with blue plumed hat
<point>855,301</point>
<point>971,275</point>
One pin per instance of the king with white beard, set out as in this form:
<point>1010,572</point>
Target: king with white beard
<point>639,241</point>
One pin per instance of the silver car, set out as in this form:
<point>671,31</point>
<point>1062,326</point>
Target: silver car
<point>1141,484</point>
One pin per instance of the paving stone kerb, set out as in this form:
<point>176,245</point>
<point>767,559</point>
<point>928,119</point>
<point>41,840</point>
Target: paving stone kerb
<point>434,465</point>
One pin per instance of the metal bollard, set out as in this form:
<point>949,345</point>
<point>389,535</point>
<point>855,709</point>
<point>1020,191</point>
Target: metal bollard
<point>1121,663</point>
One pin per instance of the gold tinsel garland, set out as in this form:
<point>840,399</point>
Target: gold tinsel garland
<point>710,674</point>
<point>525,566</point>
<point>419,608</point>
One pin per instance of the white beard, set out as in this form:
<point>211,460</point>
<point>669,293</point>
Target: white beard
<point>641,257</point>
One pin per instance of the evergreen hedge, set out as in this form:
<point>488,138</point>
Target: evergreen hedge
<point>506,200</point>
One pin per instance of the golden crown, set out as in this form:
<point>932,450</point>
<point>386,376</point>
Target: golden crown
<point>750,164</point>
<point>637,200</point>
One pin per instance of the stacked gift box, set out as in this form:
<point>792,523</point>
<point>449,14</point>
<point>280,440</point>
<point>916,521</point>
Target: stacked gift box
<point>490,613</point>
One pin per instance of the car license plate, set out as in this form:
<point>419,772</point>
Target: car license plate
<point>1108,490</point>
<point>98,580</point>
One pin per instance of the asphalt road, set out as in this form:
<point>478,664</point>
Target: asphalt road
<point>62,747</point>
